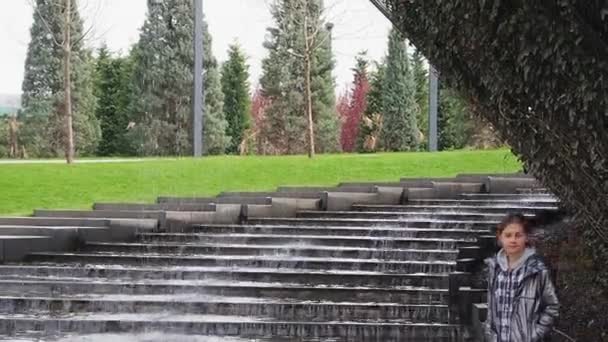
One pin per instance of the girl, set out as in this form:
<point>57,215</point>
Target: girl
<point>522,305</point>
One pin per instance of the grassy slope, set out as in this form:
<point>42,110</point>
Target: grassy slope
<point>25,187</point>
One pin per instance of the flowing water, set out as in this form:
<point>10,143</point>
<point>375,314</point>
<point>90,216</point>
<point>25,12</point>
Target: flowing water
<point>375,274</point>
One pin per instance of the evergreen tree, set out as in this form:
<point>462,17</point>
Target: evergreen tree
<point>114,94</point>
<point>421,78</point>
<point>283,79</point>
<point>237,101</point>
<point>399,129</point>
<point>455,123</point>
<point>163,79</point>
<point>42,98</point>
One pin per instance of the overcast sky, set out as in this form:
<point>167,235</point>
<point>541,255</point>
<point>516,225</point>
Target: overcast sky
<point>358,26</point>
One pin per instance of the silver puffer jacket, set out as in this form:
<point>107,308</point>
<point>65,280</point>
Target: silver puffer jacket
<point>536,305</point>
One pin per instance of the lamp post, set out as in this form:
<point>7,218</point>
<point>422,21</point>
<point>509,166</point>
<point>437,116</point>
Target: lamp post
<point>433,107</point>
<point>197,89</point>
<point>198,107</point>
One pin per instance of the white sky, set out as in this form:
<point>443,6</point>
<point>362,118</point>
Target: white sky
<point>358,26</point>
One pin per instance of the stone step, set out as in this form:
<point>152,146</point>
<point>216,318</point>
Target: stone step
<point>272,275</point>
<point>415,215</point>
<point>498,209</point>
<point>154,206</point>
<point>308,240</point>
<point>534,197</point>
<point>277,261</point>
<point>16,247</point>
<point>288,310</point>
<point>329,222</point>
<point>215,200</point>
<point>83,286</point>
<point>54,221</point>
<point>296,250</point>
<point>242,326</point>
<point>449,233</point>
<point>487,202</point>
<point>132,214</point>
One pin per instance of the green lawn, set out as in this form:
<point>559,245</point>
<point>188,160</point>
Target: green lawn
<point>25,187</point>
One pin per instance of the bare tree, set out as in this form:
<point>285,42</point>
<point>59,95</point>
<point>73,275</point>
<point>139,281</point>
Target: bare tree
<point>66,45</point>
<point>313,40</point>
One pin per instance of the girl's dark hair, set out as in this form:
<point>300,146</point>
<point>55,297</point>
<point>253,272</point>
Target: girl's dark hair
<point>542,218</point>
<point>516,218</point>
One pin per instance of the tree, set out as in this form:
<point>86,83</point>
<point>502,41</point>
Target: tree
<point>114,94</point>
<point>455,124</point>
<point>371,122</point>
<point>356,104</point>
<point>237,101</point>
<point>57,87</point>
<point>399,130</point>
<point>421,79</point>
<point>163,79</point>
<point>297,79</point>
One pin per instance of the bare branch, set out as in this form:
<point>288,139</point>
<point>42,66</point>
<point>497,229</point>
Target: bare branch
<point>46,24</point>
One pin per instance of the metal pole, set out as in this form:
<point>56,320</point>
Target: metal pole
<point>433,107</point>
<point>198,103</point>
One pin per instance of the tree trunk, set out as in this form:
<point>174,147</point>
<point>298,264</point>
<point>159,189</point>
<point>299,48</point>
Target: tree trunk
<point>67,49</point>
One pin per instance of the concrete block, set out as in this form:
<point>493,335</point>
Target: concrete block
<point>127,214</point>
<point>454,189</point>
<point>155,206</point>
<point>274,194</point>
<point>281,207</point>
<point>372,184</point>
<point>479,314</point>
<point>61,238</point>
<point>17,247</point>
<point>125,229</point>
<point>54,221</point>
<point>225,199</point>
<point>254,210</point>
<point>502,185</point>
<point>389,194</point>
<point>356,188</point>
<point>482,177</point>
<point>224,214</point>
<point>341,201</point>
<point>415,182</point>
<point>316,189</point>
<point>419,193</point>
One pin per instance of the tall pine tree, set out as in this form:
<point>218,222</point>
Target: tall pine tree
<point>43,99</point>
<point>163,79</point>
<point>399,129</point>
<point>455,124</point>
<point>421,78</point>
<point>113,90</point>
<point>237,101</point>
<point>283,79</point>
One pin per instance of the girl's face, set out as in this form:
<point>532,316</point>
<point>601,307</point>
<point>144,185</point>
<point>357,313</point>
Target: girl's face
<point>513,239</point>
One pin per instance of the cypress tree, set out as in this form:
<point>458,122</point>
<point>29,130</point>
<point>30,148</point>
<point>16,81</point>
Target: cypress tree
<point>237,100</point>
<point>399,129</point>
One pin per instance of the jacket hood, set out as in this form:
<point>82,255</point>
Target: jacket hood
<point>501,258</point>
<point>532,261</point>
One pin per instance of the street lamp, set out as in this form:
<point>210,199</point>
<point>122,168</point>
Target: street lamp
<point>197,89</point>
